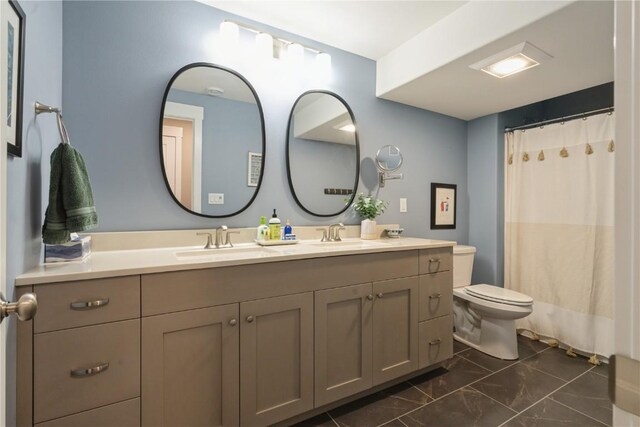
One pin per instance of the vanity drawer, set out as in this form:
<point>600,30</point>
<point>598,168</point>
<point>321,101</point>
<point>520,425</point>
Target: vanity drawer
<point>436,341</point>
<point>122,414</point>
<point>436,295</point>
<point>436,260</point>
<point>94,301</point>
<point>61,386</point>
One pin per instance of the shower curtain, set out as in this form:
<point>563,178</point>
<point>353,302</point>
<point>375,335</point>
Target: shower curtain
<point>559,229</point>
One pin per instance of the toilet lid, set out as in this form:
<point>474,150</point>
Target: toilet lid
<point>494,293</point>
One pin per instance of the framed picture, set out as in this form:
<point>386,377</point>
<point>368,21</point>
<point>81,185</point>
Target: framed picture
<point>253,169</point>
<point>12,27</point>
<point>443,206</point>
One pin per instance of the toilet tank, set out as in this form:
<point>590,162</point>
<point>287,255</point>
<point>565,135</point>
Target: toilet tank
<point>462,265</point>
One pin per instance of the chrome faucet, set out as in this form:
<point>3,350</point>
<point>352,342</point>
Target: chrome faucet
<point>210,244</point>
<point>219,231</point>
<point>334,232</point>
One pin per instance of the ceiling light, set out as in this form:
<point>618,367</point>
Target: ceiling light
<point>513,60</point>
<point>348,128</point>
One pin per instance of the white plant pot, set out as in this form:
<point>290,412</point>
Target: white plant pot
<point>368,229</point>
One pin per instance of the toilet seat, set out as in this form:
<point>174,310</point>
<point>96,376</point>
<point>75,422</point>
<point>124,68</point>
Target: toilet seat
<point>499,295</point>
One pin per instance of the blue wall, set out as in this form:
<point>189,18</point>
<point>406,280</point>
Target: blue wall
<point>486,171</point>
<point>28,176</point>
<point>122,54</point>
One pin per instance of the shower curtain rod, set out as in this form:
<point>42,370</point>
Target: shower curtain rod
<point>561,119</point>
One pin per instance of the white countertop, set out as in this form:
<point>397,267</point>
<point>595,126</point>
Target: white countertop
<point>102,264</point>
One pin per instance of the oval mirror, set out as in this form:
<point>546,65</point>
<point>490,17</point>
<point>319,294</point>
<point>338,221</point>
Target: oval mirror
<point>323,154</point>
<point>212,140</point>
<point>389,158</point>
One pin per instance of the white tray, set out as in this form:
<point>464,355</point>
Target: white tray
<point>276,242</point>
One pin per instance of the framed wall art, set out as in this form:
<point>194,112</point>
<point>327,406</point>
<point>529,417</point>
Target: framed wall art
<point>443,206</point>
<point>12,26</point>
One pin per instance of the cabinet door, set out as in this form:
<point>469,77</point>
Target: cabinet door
<point>395,328</point>
<point>343,327</point>
<point>276,369</point>
<point>190,368</point>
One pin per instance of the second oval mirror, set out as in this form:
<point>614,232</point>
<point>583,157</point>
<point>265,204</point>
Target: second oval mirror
<point>212,140</point>
<point>323,154</point>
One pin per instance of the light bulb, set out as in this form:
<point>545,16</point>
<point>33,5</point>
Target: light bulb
<point>264,45</point>
<point>295,53</point>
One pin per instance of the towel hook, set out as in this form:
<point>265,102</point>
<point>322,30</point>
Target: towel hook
<point>62,129</point>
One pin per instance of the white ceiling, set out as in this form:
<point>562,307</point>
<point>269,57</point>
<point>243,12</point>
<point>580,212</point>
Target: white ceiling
<point>199,79</point>
<point>423,49</point>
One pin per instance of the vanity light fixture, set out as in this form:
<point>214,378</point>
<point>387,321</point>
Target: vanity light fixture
<point>513,60</point>
<point>264,45</point>
<point>229,32</point>
<point>268,46</point>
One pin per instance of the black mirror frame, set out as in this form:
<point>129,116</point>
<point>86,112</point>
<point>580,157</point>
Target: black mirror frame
<point>264,148</point>
<point>355,185</point>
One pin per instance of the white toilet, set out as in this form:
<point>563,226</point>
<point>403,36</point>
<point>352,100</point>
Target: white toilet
<point>484,315</point>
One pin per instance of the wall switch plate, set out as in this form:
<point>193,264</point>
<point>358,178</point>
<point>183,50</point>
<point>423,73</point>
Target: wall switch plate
<point>403,205</point>
<point>216,198</point>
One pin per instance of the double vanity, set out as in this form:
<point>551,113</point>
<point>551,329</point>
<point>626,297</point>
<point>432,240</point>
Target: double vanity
<point>233,336</point>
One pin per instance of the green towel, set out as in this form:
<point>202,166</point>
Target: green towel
<point>71,207</point>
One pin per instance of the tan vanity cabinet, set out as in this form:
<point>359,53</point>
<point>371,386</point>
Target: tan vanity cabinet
<point>276,358</point>
<point>436,260</point>
<point>436,300</point>
<point>436,295</point>
<point>78,361</point>
<point>395,328</point>
<point>343,342</point>
<point>190,368</point>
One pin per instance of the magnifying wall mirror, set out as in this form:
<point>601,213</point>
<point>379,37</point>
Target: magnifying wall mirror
<point>323,153</point>
<point>212,140</point>
<point>388,159</point>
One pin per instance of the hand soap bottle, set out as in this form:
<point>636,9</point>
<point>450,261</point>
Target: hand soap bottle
<point>263,230</point>
<point>287,228</point>
<point>274,226</point>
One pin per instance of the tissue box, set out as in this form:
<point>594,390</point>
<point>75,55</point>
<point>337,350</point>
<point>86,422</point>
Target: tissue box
<point>77,249</point>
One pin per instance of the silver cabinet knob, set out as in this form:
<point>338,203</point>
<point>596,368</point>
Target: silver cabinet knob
<point>25,308</point>
<point>233,322</point>
<point>249,319</point>
<point>370,297</point>
<point>380,295</point>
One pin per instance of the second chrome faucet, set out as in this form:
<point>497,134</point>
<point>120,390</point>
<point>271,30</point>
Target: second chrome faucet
<point>218,239</point>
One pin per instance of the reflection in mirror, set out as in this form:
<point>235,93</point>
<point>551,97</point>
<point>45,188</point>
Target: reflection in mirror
<point>323,154</point>
<point>212,140</point>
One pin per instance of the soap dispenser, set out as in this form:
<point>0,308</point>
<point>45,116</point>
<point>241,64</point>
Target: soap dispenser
<point>263,230</point>
<point>274,226</point>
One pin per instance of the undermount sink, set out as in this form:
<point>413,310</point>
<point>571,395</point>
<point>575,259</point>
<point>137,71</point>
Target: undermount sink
<point>251,251</point>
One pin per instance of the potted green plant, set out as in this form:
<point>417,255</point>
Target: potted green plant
<point>368,207</point>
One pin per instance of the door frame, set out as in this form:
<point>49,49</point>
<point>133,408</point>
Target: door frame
<point>195,114</point>
<point>627,198</point>
<point>3,252</point>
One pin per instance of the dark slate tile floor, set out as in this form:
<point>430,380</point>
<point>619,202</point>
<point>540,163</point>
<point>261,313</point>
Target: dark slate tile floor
<point>544,388</point>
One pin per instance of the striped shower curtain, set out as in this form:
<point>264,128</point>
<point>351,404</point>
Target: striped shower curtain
<point>559,229</point>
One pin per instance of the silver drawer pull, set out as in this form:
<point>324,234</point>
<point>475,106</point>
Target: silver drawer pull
<point>88,372</point>
<point>435,342</point>
<point>434,259</point>
<point>88,305</point>
<point>434,296</point>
